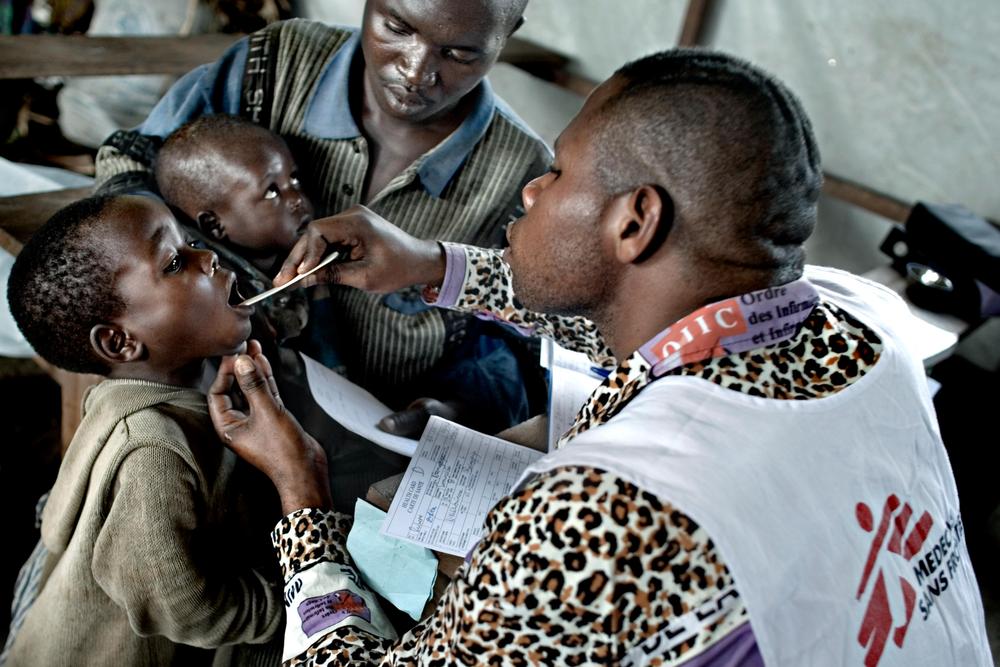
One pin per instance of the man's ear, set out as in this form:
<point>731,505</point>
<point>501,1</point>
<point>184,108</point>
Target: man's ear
<point>208,223</point>
<point>645,218</point>
<point>517,26</point>
<point>114,345</point>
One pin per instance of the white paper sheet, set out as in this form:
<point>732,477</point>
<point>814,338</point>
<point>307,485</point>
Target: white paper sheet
<point>353,407</point>
<point>571,382</point>
<point>455,478</point>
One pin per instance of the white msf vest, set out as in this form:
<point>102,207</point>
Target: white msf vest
<point>838,517</point>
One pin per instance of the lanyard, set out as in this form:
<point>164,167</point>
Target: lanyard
<point>756,319</point>
<point>751,320</point>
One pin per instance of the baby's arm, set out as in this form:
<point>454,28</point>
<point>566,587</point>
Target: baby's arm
<point>156,561</point>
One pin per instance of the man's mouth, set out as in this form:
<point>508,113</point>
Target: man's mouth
<point>411,97</point>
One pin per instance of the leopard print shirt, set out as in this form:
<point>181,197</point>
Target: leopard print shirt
<point>580,566</point>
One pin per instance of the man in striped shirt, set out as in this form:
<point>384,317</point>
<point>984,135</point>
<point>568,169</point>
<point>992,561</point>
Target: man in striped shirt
<point>398,117</point>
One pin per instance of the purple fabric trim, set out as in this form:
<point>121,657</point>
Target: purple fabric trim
<point>454,276</point>
<point>737,649</point>
<point>989,301</point>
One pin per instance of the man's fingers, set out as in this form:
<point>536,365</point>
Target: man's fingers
<point>290,267</point>
<point>315,251</point>
<point>408,423</point>
<point>254,385</point>
<point>265,367</point>
<point>224,415</point>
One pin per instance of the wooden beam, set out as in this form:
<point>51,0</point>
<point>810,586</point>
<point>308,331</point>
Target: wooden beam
<point>695,22</point>
<point>9,243</point>
<point>22,215</point>
<point>864,197</point>
<point>526,54</point>
<point>29,56</point>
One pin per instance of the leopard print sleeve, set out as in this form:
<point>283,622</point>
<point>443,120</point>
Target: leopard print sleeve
<point>486,292</point>
<point>309,536</point>
<point>333,617</point>
<point>580,567</point>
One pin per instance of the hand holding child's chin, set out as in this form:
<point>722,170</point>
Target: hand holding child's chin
<point>266,435</point>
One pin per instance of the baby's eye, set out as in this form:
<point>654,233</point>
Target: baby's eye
<point>175,264</point>
<point>271,192</point>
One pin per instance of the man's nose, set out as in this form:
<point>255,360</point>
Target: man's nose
<point>417,65</point>
<point>530,192</point>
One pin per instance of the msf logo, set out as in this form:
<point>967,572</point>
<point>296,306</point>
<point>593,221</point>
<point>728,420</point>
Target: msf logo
<point>891,534</point>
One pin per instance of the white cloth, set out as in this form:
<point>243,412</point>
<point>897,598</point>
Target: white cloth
<point>19,179</point>
<point>778,485</point>
<point>92,107</point>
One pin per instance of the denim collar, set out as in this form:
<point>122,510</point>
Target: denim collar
<point>328,116</point>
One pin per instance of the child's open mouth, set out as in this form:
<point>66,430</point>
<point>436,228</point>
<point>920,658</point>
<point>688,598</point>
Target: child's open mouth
<point>235,298</point>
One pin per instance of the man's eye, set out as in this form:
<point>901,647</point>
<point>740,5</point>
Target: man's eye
<point>392,26</point>
<point>176,264</point>
<point>271,192</point>
<point>460,57</point>
<point>197,244</point>
<point>294,180</point>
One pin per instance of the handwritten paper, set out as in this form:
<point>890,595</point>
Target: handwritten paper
<point>353,407</point>
<point>571,382</point>
<point>455,478</point>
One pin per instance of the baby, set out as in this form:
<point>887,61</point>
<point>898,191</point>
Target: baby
<point>238,183</point>
<point>148,538</point>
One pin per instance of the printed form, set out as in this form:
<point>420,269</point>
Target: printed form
<point>353,407</point>
<point>454,479</point>
<point>572,379</point>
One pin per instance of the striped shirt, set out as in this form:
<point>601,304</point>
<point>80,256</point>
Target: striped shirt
<point>293,78</point>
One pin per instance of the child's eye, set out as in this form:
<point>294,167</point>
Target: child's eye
<point>271,192</point>
<point>176,264</point>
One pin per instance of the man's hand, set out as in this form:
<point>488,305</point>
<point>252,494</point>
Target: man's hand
<point>410,422</point>
<point>267,436</point>
<point>383,258</point>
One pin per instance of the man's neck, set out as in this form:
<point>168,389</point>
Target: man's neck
<point>640,311</point>
<point>395,143</point>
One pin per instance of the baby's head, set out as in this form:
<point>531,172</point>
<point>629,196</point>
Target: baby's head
<point>237,181</point>
<point>110,285</point>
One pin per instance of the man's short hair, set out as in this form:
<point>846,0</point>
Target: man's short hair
<point>190,155</point>
<point>513,11</point>
<point>62,285</point>
<point>729,143</point>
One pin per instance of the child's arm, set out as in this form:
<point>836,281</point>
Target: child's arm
<point>169,575</point>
